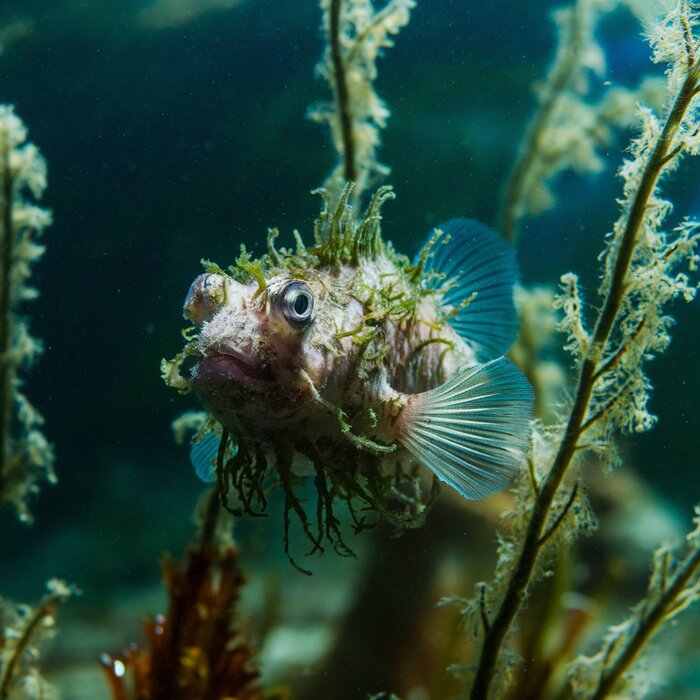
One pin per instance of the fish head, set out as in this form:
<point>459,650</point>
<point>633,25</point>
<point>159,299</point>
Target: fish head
<point>256,348</point>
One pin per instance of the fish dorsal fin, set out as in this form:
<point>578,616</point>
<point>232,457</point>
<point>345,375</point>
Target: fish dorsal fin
<point>474,258</point>
<point>473,430</point>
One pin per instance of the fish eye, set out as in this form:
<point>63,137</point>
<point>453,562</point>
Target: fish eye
<point>298,304</point>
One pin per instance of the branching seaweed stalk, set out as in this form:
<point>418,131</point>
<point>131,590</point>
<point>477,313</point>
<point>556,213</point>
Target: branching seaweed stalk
<point>568,126</point>
<point>21,629</point>
<point>356,33</point>
<point>560,75</point>
<point>658,156</point>
<point>673,586</point>
<point>25,455</point>
<point>341,89</point>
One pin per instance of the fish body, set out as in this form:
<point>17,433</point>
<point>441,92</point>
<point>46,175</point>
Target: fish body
<point>261,376</point>
<point>348,357</point>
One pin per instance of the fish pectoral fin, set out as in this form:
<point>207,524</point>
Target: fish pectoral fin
<point>473,430</point>
<point>472,258</point>
<point>204,452</point>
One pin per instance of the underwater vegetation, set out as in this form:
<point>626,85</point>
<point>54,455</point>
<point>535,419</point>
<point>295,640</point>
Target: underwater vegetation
<point>26,455</point>
<point>23,630</point>
<point>194,651</point>
<point>345,384</point>
<point>641,273</point>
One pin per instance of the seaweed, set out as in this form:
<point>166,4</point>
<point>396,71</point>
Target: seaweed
<point>195,651</point>
<point>641,275</point>
<point>356,32</point>
<point>574,120</point>
<point>26,457</point>
<point>674,585</point>
<point>23,630</point>
<point>645,265</point>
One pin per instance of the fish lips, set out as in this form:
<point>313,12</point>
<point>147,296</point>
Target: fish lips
<point>228,366</point>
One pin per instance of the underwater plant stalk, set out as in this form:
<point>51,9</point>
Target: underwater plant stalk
<point>562,72</point>
<point>341,92</point>
<point>46,609</point>
<point>6,367</point>
<point>649,624</point>
<point>23,629</point>
<point>592,367</point>
<point>355,34</point>
<point>25,454</point>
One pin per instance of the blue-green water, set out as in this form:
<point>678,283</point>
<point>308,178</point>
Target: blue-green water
<point>170,144</point>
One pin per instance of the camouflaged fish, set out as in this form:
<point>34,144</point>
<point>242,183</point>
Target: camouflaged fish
<point>347,361</point>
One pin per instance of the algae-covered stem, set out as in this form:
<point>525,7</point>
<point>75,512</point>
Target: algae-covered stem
<point>46,609</point>
<point>6,246</point>
<point>562,72</point>
<point>661,156</point>
<point>650,623</point>
<point>341,92</point>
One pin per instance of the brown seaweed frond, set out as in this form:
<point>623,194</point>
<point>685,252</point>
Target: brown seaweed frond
<point>25,455</point>
<point>195,651</point>
<point>22,630</point>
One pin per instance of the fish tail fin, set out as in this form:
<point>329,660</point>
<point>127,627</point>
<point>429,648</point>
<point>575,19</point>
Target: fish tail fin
<point>473,430</point>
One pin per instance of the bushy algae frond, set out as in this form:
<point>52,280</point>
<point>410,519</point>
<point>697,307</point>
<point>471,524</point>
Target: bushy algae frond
<point>642,272</point>
<point>25,455</point>
<point>575,117</point>
<point>356,33</point>
<point>538,331</point>
<point>674,585</point>
<point>22,630</point>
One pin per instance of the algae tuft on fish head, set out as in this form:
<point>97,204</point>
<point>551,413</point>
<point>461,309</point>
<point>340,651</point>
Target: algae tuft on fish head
<point>349,357</point>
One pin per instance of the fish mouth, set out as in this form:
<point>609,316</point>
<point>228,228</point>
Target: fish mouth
<point>230,365</point>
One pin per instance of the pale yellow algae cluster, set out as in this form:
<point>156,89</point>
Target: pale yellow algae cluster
<point>577,112</point>
<point>356,34</point>
<point>26,457</point>
<point>23,629</point>
<point>645,265</point>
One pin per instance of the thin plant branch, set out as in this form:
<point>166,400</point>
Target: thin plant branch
<point>650,623</point>
<point>532,545</point>
<point>341,93</point>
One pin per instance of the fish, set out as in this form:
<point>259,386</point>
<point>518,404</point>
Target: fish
<point>347,360</point>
